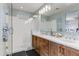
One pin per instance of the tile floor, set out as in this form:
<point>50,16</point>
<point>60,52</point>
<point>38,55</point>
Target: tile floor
<point>26,53</point>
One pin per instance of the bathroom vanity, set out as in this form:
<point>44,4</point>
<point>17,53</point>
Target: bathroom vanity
<point>51,46</point>
<point>65,23</point>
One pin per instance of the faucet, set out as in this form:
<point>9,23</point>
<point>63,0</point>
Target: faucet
<point>51,32</point>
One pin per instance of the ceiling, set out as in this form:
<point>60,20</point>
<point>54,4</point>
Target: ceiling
<point>57,7</point>
<point>28,7</point>
<point>33,7</point>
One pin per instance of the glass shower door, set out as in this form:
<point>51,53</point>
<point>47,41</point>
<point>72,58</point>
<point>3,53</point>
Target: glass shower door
<point>5,29</point>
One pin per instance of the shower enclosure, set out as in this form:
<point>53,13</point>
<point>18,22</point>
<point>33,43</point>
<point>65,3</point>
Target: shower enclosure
<point>5,29</point>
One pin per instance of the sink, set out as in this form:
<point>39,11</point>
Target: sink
<point>70,41</point>
<point>62,38</point>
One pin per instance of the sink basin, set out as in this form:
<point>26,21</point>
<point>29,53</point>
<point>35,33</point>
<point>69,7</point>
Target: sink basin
<point>62,38</point>
<point>70,41</point>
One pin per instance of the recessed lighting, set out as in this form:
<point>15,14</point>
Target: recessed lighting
<point>21,7</point>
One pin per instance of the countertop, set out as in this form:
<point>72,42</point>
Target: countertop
<point>63,41</point>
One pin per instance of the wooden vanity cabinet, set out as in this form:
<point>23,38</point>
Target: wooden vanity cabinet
<point>48,48</point>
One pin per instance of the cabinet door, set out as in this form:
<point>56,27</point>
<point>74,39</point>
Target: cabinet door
<point>68,51</point>
<point>34,41</point>
<point>53,49</point>
<point>44,47</point>
<point>38,45</point>
<point>71,52</point>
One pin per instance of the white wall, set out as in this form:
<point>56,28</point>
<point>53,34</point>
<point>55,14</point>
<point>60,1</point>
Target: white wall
<point>21,35</point>
<point>28,36</point>
<point>18,34</point>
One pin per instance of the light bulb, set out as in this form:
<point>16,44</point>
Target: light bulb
<point>40,12</point>
<point>46,8</point>
<point>49,7</point>
<point>43,10</point>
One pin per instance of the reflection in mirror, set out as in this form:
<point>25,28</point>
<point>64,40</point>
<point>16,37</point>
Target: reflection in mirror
<point>72,23</point>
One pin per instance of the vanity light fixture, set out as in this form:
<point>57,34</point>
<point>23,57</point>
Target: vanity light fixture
<point>40,11</point>
<point>45,9</point>
<point>49,7</point>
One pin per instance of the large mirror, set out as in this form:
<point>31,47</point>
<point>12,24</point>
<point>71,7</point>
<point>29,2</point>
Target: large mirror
<point>62,21</point>
<point>72,22</point>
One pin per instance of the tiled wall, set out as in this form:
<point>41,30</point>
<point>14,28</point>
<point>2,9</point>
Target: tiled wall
<point>2,22</point>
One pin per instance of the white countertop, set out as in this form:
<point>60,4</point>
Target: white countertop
<point>64,42</point>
